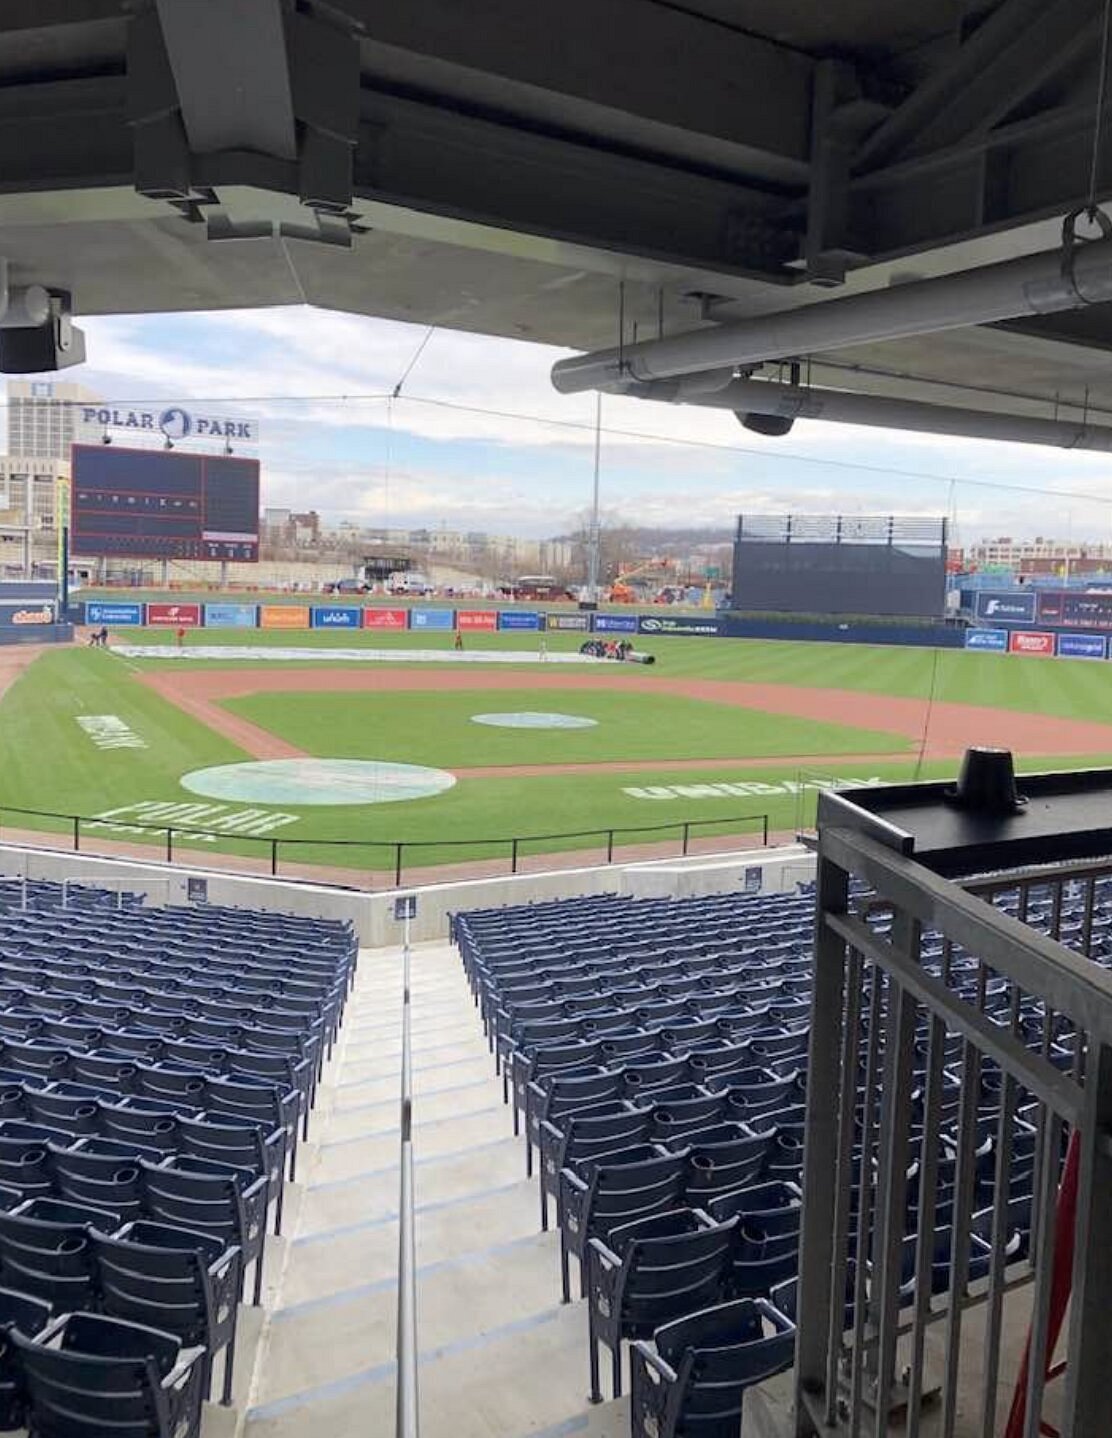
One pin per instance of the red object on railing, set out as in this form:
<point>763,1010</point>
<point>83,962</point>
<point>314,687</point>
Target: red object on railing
<point>1061,1282</point>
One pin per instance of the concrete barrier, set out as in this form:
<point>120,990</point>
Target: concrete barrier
<point>759,870</point>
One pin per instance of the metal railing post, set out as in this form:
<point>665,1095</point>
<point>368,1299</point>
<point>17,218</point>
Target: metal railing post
<point>820,1156</point>
<point>686,836</point>
<point>764,830</point>
<point>76,833</point>
<point>397,866</point>
<point>1090,1335</point>
<point>274,857</point>
<point>406,1416</point>
<point>513,856</point>
<point>169,846</point>
<point>610,846</point>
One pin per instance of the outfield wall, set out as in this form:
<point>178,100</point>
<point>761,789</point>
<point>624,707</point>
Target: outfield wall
<point>1040,643</point>
<point>437,619</point>
<point>415,619</point>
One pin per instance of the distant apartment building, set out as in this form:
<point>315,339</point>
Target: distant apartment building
<point>1039,555</point>
<point>44,418</point>
<point>287,529</point>
<point>29,500</point>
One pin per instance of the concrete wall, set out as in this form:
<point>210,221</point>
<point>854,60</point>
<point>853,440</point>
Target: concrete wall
<point>373,914</point>
<point>770,871</point>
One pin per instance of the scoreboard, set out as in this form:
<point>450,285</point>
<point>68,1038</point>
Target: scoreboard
<point>163,504</point>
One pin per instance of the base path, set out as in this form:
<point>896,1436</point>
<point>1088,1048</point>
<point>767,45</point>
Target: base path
<point>942,730</point>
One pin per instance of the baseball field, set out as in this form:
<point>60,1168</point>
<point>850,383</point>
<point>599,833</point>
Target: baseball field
<point>337,747</point>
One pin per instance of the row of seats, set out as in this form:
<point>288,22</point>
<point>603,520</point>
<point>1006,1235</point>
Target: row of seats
<point>657,1052</point>
<point>157,1069</point>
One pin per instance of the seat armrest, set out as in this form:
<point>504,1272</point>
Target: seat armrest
<point>653,1361</point>
<point>573,1181</point>
<point>179,1375</point>
<point>605,1255</point>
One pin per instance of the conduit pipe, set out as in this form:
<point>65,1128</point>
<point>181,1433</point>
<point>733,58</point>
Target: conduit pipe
<point>791,402</point>
<point>1062,279</point>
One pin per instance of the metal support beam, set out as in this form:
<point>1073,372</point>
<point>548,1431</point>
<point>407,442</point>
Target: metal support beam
<point>243,92</point>
<point>621,73</point>
<point>827,199</point>
<point>1021,45</point>
<point>231,74</point>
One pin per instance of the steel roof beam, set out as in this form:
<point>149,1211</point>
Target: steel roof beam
<point>1015,51</point>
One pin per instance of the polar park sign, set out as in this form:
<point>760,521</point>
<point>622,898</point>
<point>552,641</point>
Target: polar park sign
<point>173,422</point>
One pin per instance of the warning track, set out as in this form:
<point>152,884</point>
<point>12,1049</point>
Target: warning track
<point>942,730</point>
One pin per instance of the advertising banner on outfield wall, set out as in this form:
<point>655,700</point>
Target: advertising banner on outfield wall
<point>1073,610</point>
<point>1023,641</point>
<point>231,616</point>
<point>386,619</point>
<point>1081,646</point>
<point>1007,605</point>
<point>283,616</point>
<point>102,611</point>
<point>432,619</point>
<point>994,639</point>
<point>32,615</point>
<point>614,623</point>
<point>476,619</point>
<point>174,616</point>
<point>334,616</point>
<point>520,619</point>
<point>678,624</point>
<point>579,623</point>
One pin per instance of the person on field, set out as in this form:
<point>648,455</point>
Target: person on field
<point>542,648</point>
<point>181,635</point>
<point>103,636</point>
<point>459,639</point>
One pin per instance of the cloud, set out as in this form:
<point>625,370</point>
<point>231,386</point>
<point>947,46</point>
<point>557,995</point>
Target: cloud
<point>479,431</point>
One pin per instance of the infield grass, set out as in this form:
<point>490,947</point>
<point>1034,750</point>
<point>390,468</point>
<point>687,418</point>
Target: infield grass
<point>438,729</point>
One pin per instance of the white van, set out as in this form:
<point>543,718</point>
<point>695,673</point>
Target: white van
<point>409,583</point>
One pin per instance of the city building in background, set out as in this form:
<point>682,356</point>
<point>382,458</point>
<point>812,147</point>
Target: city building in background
<point>1039,556</point>
<point>44,419</point>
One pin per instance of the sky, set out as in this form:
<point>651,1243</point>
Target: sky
<point>479,439</point>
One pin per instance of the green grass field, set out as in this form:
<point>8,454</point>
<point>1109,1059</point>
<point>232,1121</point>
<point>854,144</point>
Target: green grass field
<point>1069,689</point>
<point>439,730</point>
<point>48,762</point>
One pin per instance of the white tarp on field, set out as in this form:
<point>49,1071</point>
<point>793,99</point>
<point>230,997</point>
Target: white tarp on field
<point>328,655</point>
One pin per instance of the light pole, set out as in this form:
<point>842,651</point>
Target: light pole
<point>593,534</point>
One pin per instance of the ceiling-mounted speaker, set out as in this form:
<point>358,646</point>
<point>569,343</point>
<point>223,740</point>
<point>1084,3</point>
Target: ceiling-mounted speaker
<point>54,344</point>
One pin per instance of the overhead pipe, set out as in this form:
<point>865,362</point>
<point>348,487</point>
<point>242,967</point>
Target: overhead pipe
<point>1062,279</point>
<point>787,403</point>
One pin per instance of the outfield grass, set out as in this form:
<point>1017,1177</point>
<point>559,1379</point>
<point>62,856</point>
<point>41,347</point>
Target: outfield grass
<point>438,728</point>
<point>1070,689</point>
<point>48,762</point>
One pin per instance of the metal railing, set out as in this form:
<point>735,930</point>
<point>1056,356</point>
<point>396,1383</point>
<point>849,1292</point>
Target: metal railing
<point>958,1047</point>
<point>406,1414</point>
<point>399,855</point>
